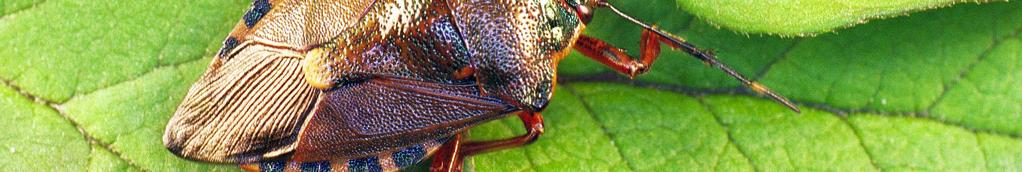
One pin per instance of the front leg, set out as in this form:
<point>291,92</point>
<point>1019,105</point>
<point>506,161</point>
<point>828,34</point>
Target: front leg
<point>617,59</point>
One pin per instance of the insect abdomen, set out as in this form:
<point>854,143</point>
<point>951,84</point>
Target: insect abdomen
<point>387,161</point>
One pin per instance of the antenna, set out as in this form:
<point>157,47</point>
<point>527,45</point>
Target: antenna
<point>707,57</point>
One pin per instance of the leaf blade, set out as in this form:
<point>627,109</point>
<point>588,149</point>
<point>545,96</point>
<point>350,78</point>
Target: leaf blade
<point>802,17</point>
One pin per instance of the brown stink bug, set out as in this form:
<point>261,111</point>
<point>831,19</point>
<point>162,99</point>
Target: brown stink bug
<point>378,85</point>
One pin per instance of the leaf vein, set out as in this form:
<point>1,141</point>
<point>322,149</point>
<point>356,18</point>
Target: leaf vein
<point>175,65</point>
<point>858,137</point>
<point>982,152</point>
<point>85,134</point>
<point>784,56</point>
<point>33,6</point>
<point>603,127</point>
<point>965,71</point>
<point>727,132</point>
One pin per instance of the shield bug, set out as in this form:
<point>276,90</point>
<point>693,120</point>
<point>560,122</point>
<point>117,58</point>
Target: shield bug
<point>377,85</point>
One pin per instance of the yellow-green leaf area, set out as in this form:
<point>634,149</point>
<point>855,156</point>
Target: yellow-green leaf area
<point>802,17</point>
<point>776,139</point>
<point>145,109</point>
<point>12,6</point>
<point>35,138</point>
<point>104,160</point>
<point>61,48</point>
<point>1002,152</point>
<point>107,73</point>
<point>911,144</point>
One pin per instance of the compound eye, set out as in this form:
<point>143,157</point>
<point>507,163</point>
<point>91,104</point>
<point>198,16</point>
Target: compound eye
<point>584,13</point>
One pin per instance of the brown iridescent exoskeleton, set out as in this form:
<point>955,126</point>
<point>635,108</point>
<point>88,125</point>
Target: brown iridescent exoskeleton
<point>378,85</point>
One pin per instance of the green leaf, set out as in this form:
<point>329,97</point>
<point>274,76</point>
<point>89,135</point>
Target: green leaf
<point>802,17</point>
<point>934,146</point>
<point>12,6</point>
<point>58,49</point>
<point>35,133</point>
<point>90,85</point>
<point>94,82</point>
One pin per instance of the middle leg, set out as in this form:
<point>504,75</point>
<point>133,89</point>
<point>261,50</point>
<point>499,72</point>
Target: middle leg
<point>451,155</point>
<point>533,128</point>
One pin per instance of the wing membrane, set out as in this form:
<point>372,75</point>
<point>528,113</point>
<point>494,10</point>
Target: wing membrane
<point>252,100</point>
<point>383,114</point>
<point>242,109</point>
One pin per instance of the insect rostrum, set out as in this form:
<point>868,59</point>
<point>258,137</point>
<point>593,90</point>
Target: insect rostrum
<point>377,85</point>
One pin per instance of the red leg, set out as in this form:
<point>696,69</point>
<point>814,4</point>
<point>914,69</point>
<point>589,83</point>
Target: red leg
<point>452,154</point>
<point>616,59</point>
<point>533,128</point>
<point>448,158</point>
